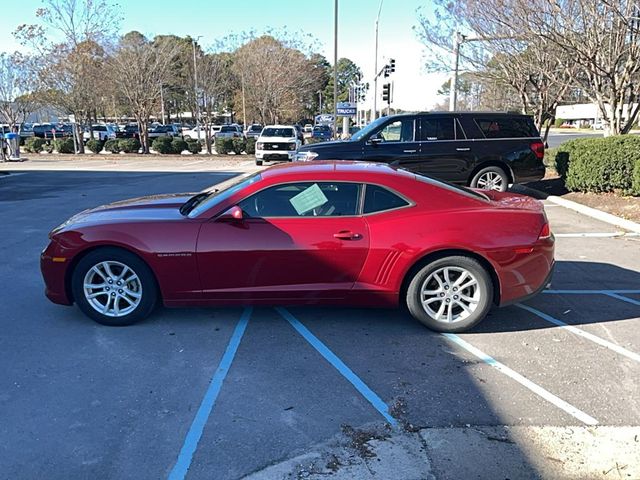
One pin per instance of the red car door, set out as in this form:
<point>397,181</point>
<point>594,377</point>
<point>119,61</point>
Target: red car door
<point>285,250</point>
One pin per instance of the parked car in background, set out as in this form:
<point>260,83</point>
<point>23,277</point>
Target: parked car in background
<point>230,131</point>
<point>39,129</point>
<point>277,142</point>
<point>308,128</point>
<point>60,130</point>
<point>26,130</point>
<point>479,149</point>
<point>128,131</point>
<point>351,233</point>
<point>192,133</point>
<point>164,131</point>
<point>322,132</point>
<point>253,131</point>
<point>100,132</point>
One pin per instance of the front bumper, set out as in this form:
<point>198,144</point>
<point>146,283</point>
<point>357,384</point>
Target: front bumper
<point>289,155</point>
<point>54,272</point>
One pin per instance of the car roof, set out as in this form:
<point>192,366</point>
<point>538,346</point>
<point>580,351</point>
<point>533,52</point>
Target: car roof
<point>474,113</point>
<point>344,168</point>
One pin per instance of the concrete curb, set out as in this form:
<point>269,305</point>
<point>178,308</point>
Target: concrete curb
<point>597,214</point>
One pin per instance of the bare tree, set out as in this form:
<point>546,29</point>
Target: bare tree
<point>138,69</point>
<point>216,84</point>
<point>17,83</point>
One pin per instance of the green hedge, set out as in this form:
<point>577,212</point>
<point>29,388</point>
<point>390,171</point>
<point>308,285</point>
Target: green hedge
<point>238,145</point>
<point>599,164</point>
<point>34,144</point>
<point>64,145</point>
<point>95,145</point>
<point>635,188</point>
<point>112,146</point>
<point>178,145</point>
<point>194,146</point>
<point>224,145</point>
<point>250,147</point>
<point>162,145</point>
<point>129,145</point>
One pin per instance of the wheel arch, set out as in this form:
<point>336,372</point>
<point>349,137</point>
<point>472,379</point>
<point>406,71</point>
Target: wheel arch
<point>492,163</point>
<point>438,254</point>
<point>92,248</point>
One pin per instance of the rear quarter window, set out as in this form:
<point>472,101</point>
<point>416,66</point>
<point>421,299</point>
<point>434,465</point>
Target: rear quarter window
<point>379,199</point>
<point>507,127</point>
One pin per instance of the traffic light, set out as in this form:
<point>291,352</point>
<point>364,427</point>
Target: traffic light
<point>386,71</point>
<point>386,92</point>
<point>392,65</point>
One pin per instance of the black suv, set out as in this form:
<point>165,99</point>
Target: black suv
<point>482,150</point>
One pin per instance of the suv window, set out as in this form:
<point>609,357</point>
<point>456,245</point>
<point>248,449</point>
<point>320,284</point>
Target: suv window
<point>379,199</point>
<point>508,127</point>
<point>398,131</point>
<point>308,199</point>
<point>433,129</point>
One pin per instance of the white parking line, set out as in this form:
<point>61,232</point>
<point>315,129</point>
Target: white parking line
<point>537,389</point>
<point>588,292</point>
<point>595,339</point>
<point>596,235</point>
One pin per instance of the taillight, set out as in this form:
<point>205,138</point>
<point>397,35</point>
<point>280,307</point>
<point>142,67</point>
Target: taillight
<point>538,149</point>
<point>545,232</point>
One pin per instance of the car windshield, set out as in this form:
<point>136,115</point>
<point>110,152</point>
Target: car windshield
<point>278,132</point>
<point>212,196</point>
<point>366,131</point>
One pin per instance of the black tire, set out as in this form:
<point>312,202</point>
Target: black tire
<point>258,162</point>
<point>484,285</point>
<point>149,287</point>
<point>502,177</point>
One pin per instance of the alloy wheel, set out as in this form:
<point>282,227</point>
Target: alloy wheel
<point>112,288</point>
<point>491,181</point>
<point>450,294</point>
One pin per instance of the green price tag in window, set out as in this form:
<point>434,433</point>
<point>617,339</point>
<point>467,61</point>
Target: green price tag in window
<point>308,199</point>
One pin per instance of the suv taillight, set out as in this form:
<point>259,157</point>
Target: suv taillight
<point>538,149</point>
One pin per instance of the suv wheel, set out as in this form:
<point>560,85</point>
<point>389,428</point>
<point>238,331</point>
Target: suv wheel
<point>451,294</point>
<point>491,178</point>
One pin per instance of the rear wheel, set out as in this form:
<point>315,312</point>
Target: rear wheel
<point>451,294</point>
<point>491,178</point>
<point>114,287</point>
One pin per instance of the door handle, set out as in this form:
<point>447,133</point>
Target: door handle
<point>347,235</point>
<point>409,151</point>
<point>463,149</point>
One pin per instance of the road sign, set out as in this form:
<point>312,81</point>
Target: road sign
<point>346,109</point>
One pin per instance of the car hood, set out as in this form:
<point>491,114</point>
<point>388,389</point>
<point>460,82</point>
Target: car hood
<point>149,208</point>
<point>316,147</point>
<point>276,139</point>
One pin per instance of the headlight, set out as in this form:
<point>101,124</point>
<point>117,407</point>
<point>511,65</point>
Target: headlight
<point>292,146</point>
<point>305,156</point>
<point>260,146</point>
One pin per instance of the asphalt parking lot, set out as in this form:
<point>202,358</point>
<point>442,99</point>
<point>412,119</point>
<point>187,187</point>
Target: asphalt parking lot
<point>228,392</point>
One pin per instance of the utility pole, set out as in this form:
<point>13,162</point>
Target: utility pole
<point>195,86</point>
<point>453,87</point>
<point>335,67</point>
<point>375,79</point>
<point>162,103</point>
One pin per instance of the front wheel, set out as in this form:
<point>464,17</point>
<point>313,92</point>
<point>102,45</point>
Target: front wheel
<point>491,178</point>
<point>114,287</point>
<point>451,294</point>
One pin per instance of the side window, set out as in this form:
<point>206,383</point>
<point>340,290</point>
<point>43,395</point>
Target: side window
<point>308,199</point>
<point>514,127</point>
<point>433,129</point>
<point>398,131</point>
<point>379,199</point>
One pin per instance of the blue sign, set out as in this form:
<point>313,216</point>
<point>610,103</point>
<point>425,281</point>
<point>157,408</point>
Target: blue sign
<point>346,109</point>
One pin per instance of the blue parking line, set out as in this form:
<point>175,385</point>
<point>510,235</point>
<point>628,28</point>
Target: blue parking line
<point>190,445</point>
<point>588,292</point>
<point>623,298</point>
<point>339,365</point>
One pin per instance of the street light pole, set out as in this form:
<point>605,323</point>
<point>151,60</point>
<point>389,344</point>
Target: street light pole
<point>375,68</point>
<point>335,67</point>
<point>195,86</point>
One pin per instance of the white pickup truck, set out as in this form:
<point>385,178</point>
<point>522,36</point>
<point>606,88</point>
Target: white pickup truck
<point>277,142</point>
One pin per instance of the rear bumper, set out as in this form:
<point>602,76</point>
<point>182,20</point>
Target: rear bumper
<point>546,283</point>
<point>529,174</point>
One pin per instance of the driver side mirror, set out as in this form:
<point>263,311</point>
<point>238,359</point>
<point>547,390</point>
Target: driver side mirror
<point>233,214</point>
<point>375,139</point>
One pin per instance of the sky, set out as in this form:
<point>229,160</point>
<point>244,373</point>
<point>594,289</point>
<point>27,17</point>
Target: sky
<point>414,88</point>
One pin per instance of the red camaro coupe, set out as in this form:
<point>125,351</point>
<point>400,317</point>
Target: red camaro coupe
<point>360,234</point>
